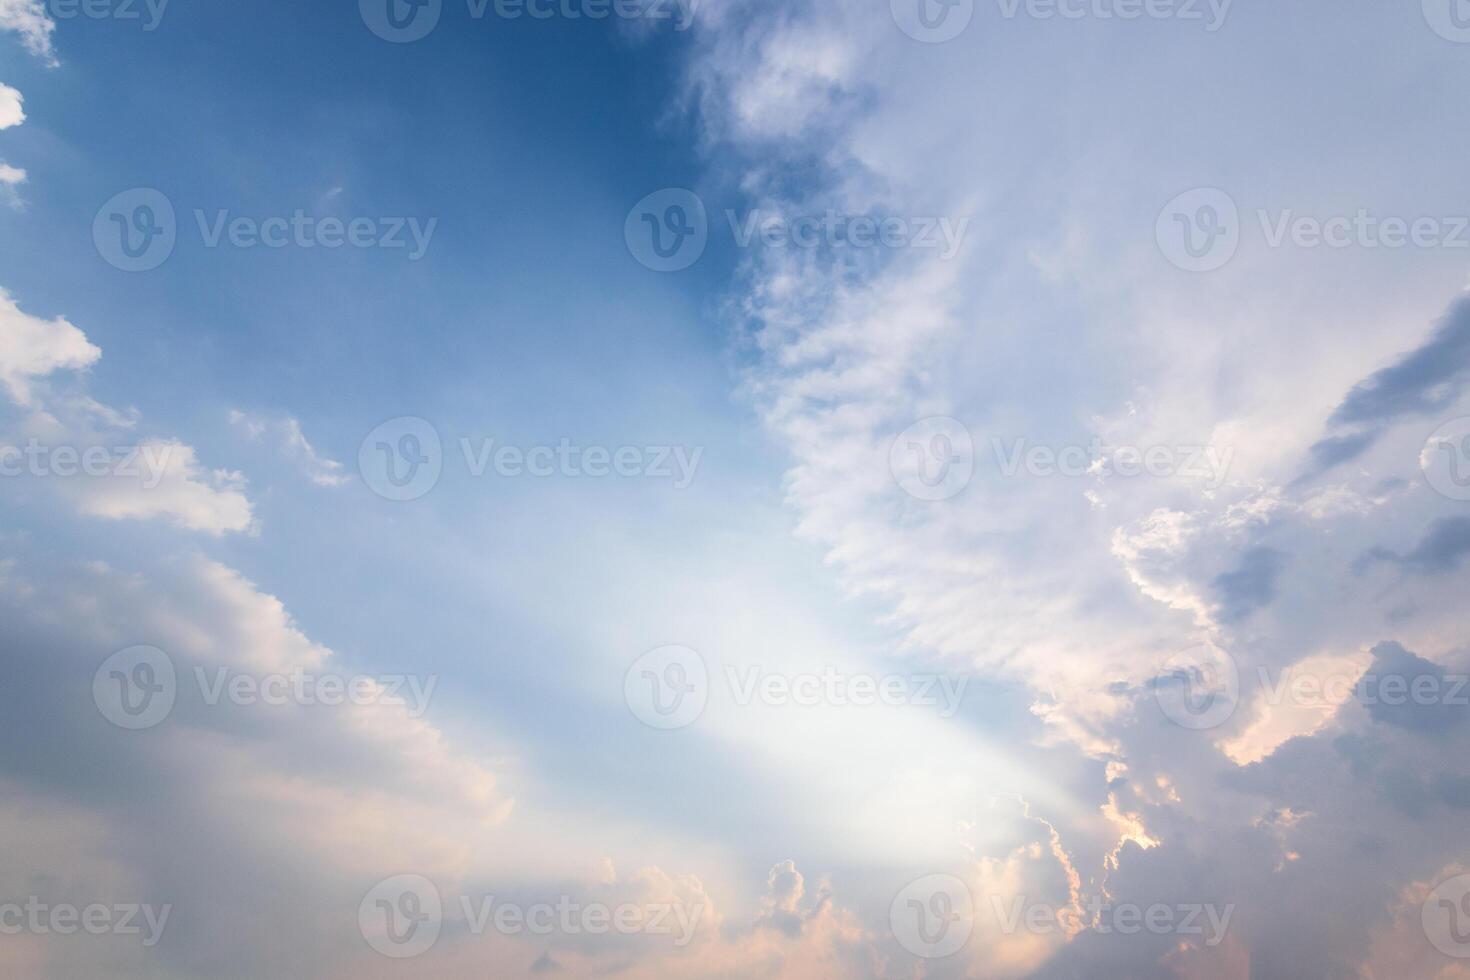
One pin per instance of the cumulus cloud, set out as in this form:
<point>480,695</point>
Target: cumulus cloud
<point>32,348</point>
<point>1062,325</point>
<point>170,484</point>
<point>141,479</point>
<point>257,794</point>
<point>11,113</point>
<point>33,23</point>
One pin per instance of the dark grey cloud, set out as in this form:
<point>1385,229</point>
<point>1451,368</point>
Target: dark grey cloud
<point>545,964</point>
<point>1443,548</point>
<point>1423,381</point>
<point>1250,586</point>
<point>1409,692</point>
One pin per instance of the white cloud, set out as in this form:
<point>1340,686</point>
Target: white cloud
<point>1062,321</point>
<point>32,348</point>
<point>11,113</point>
<point>31,21</point>
<point>319,469</point>
<point>171,484</point>
<point>155,478</point>
<point>329,796</point>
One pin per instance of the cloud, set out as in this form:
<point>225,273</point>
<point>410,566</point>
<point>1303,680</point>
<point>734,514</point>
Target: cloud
<point>328,796</point>
<point>320,470</point>
<point>153,477</point>
<point>11,113</point>
<point>1063,324</point>
<point>30,20</point>
<point>1391,660</point>
<point>1251,585</point>
<point>170,484</point>
<point>32,348</point>
<point>1424,381</point>
<point>1442,549</point>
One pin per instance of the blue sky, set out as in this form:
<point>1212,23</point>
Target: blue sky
<point>1129,457</point>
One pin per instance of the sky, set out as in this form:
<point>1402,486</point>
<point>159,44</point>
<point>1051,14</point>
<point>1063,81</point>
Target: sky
<point>656,488</point>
